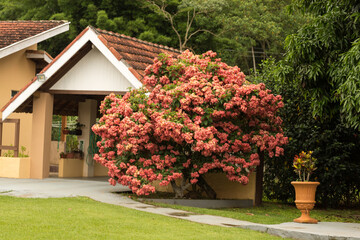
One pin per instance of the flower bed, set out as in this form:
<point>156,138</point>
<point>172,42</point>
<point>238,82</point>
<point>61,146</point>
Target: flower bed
<point>70,167</point>
<point>15,167</point>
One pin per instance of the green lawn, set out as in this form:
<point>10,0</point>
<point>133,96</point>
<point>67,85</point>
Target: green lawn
<point>274,213</point>
<point>83,218</point>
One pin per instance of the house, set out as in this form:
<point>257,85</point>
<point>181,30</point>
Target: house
<point>95,64</point>
<point>20,61</point>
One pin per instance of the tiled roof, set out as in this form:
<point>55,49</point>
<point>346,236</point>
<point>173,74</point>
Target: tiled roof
<point>14,31</point>
<point>138,54</point>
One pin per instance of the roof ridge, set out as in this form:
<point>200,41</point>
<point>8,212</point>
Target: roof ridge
<point>137,40</point>
<point>14,21</point>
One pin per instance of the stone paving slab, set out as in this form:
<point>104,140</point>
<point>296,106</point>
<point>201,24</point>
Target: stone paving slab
<point>206,203</point>
<point>100,190</point>
<point>322,230</point>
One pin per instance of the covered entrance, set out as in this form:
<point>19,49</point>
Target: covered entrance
<point>94,65</point>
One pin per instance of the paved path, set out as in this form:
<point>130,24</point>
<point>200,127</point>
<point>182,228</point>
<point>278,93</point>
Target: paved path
<point>100,190</point>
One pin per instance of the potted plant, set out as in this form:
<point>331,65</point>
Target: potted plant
<point>78,154</point>
<point>71,146</point>
<point>304,165</point>
<point>77,130</point>
<point>15,167</point>
<point>62,155</point>
<point>70,155</point>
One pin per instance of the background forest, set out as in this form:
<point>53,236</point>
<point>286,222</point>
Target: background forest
<point>240,31</point>
<point>306,50</point>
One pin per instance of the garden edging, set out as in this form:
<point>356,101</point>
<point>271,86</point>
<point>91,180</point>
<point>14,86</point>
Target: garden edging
<point>205,203</point>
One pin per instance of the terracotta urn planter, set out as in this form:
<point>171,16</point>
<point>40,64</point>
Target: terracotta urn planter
<point>305,200</point>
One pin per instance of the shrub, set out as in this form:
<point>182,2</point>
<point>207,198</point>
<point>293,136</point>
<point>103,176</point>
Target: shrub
<point>198,115</point>
<point>22,153</point>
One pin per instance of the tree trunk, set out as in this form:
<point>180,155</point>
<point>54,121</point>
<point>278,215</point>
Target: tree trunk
<point>177,190</point>
<point>185,184</point>
<point>259,180</point>
<point>254,62</point>
<point>206,188</point>
<point>180,190</point>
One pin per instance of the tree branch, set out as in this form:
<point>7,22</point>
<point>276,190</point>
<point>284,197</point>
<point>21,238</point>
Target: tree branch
<point>162,10</point>
<point>160,7</point>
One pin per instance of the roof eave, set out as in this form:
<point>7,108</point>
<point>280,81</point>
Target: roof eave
<point>38,55</point>
<point>17,46</point>
<point>60,60</point>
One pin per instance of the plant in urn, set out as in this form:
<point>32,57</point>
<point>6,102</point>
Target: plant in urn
<point>304,165</point>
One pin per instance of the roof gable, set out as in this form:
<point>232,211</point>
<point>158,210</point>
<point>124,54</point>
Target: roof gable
<point>93,73</point>
<point>138,54</point>
<point>130,61</point>
<point>17,35</point>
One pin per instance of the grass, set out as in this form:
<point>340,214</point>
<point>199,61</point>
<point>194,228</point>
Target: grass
<point>272,213</point>
<point>83,218</point>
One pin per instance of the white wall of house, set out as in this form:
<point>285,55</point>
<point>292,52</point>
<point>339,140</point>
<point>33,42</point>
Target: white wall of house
<point>93,73</point>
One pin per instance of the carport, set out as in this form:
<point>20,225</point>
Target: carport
<point>95,64</point>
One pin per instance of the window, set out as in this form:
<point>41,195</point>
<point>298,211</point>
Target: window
<point>13,93</point>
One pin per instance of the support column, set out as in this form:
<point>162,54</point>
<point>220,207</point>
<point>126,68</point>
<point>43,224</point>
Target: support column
<point>87,116</point>
<point>41,135</point>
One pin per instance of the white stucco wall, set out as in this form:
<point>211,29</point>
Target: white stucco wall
<point>93,73</point>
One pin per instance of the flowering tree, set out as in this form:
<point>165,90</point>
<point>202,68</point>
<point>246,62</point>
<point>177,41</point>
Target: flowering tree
<point>195,115</point>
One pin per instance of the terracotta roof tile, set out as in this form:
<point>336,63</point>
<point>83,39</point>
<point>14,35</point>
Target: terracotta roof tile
<point>138,54</point>
<point>14,31</point>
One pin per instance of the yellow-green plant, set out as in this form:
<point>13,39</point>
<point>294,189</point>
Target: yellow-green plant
<point>22,153</point>
<point>304,165</point>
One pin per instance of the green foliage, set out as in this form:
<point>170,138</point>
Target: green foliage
<point>335,146</point>
<point>319,81</point>
<point>22,153</point>
<point>126,16</point>
<point>262,25</point>
<point>72,143</point>
<point>56,128</point>
<point>229,27</point>
<point>325,56</point>
<point>346,76</point>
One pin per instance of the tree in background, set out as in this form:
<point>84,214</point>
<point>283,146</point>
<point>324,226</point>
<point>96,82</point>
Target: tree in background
<point>319,81</point>
<point>254,30</point>
<point>184,18</point>
<point>126,16</point>
<point>233,28</point>
<point>325,57</point>
<point>199,116</point>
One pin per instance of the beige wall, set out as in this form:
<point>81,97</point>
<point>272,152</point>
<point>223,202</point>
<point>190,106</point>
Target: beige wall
<point>16,71</point>
<point>14,167</point>
<point>70,167</point>
<point>55,150</point>
<point>41,135</point>
<point>87,116</point>
<point>224,188</point>
<point>73,167</point>
<point>100,170</point>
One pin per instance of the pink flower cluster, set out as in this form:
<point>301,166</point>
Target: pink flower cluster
<point>196,114</point>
